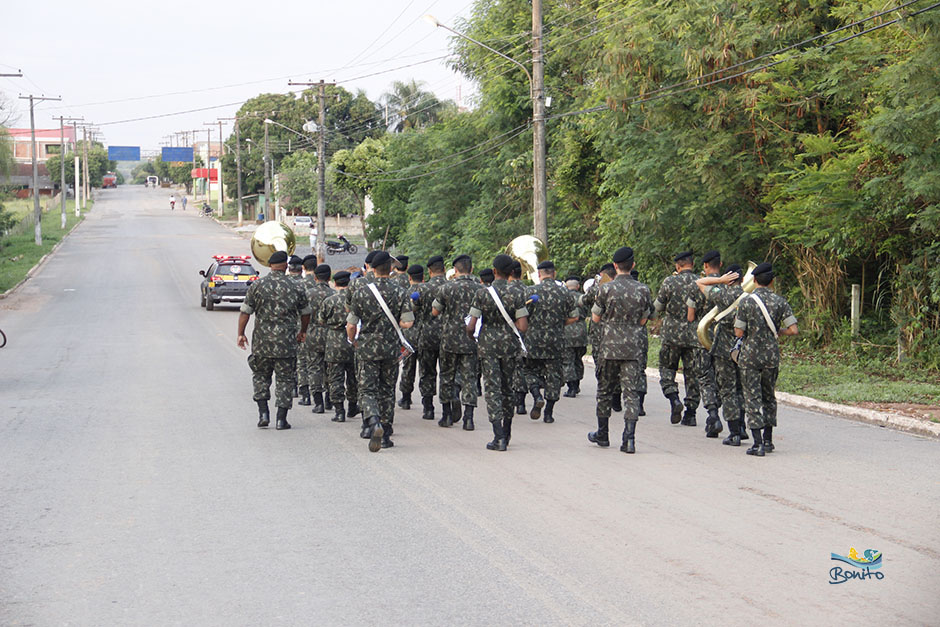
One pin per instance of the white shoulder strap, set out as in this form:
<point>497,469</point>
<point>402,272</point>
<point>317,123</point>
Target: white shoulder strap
<point>763,310</point>
<point>506,317</point>
<point>388,313</point>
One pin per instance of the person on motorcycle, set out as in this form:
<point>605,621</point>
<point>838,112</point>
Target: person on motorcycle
<point>172,202</point>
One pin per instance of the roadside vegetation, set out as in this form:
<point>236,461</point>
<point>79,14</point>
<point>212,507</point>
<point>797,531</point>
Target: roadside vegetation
<point>18,250</point>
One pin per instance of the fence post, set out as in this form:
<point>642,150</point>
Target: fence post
<point>856,308</point>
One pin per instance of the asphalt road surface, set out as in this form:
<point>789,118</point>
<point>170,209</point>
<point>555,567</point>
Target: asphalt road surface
<point>136,490</point>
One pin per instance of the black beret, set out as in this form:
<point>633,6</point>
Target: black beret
<point>486,274</point>
<point>607,267</point>
<point>402,259</point>
<point>461,257</point>
<point>546,265</point>
<point>503,263</point>
<point>380,258</point>
<point>341,278</point>
<point>435,259</point>
<point>680,256</point>
<point>573,277</point>
<point>635,274</point>
<point>279,256</point>
<point>416,270</point>
<point>370,256</point>
<point>322,271</point>
<point>710,256</point>
<point>623,254</point>
<point>295,261</point>
<point>734,268</point>
<point>764,271</point>
<point>516,265</point>
<point>310,262</point>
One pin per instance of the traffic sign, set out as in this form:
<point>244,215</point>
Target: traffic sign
<point>182,153</point>
<point>124,153</point>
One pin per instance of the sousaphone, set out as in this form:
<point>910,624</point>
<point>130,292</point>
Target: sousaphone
<point>529,251</point>
<point>748,284</point>
<point>269,238</point>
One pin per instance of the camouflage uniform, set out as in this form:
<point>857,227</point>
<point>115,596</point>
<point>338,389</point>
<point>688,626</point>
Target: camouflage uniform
<point>429,341</point>
<point>759,358</point>
<point>301,377</point>
<point>706,374</point>
<point>378,345</point>
<point>545,337</point>
<point>339,353</point>
<point>458,352</point>
<point>519,386</point>
<point>499,346</point>
<point>727,377</point>
<point>315,347</point>
<point>278,302</point>
<point>679,338</point>
<point>409,364</point>
<point>621,305</point>
<point>576,337</point>
<point>401,280</point>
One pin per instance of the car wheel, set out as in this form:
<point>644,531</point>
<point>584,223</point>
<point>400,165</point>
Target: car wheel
<point>353,249</point>
<point>210,305</point>
<point>202,298</point>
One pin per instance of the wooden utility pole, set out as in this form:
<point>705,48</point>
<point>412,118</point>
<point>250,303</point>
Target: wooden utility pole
<point>62,185</point>
<point>539,189</point>
<point>37,212</point>
<point>321,166</point>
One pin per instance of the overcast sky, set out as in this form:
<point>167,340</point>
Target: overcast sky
<point>153,58</point>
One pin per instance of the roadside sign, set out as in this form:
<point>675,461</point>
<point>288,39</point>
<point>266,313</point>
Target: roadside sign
<point>177,154</point>
<point>124,153</point>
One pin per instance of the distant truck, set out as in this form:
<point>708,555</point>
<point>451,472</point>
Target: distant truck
<point>109,180</point>
<point>152,182</point>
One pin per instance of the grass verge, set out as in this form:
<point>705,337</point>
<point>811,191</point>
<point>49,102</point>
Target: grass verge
<point>19,253</point>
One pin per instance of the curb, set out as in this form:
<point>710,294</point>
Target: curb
<point>890,420</point>
<point>42,261</point>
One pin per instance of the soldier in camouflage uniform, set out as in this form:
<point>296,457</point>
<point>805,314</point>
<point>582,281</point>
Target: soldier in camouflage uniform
<point>595,333</point>
<point>679,340</point>
<point>642,387</point>
<point>697,306</point>
<point>429,341</point>
<point>487,277</point>
<point>519,385</point>
<point>317,290</point>
<point>282,315</point>
<point>365,278</point>
<point>340,356</point>
<point>623,306</point>
<point>499,346</point>
<point>295,270</point>
<point>721,292</point>
<point>400,272</point>
<point>551,307</point>
<point>458,352</point>
<point>759,358</point>
<point>378,348</point>
<point>575,344</point>
<point>409,364</point>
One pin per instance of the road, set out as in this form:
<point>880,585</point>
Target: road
<point>136,490</point>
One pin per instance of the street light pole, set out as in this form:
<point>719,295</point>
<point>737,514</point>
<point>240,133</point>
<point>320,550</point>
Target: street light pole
<point>62,120</point>
<point>267,178</point>
<point>37,212</point>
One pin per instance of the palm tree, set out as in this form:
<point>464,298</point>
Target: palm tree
<point>408,105</point>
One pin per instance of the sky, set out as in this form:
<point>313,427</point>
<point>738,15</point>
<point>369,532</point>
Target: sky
<point>112,62</point>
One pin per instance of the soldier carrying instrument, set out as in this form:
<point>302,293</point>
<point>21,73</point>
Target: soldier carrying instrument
<point>696,308</point>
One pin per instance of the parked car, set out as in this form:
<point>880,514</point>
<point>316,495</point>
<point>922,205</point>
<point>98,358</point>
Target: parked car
<point>305,221</point>
<point>226,280</point>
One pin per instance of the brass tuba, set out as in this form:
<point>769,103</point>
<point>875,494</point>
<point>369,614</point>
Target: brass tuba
<point>748,284</point>
<point>271,237</point>
<point>530,251</point>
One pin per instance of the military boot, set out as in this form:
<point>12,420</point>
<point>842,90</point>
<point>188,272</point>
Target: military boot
<point>499,437</point>
<point>339,413</point>
<point>713,424</point>
<point>600,437</point>
<point>675,408</point>
<point>642,411</point>
<point>264,414</point>
<point>734,435</point>
<point>353,409</point>
<point>387,437</point>
<point>318,403</point>
<point>427,402</point>
<point>549,411</point>
<point>282,423</point>
<point>768,439</point>
<point>743,422</point>
<point>468,418</point>
<point>445,420</point>
<point>294,391</point>
<point>629,437</point>
<point>757,448</point>
<point>688,418</point>
<point>405,401</point>
<point>304,395</point>
<point>520,404</point>
<point>376,431</point>
<point>577,388</point>
<point>538,402</point>
<point>327,403</point>
<point>366,429</point>
<point>570,392</point>
<point>507,429</point>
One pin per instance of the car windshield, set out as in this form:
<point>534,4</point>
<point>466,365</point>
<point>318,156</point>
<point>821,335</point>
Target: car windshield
<point>243,268</point>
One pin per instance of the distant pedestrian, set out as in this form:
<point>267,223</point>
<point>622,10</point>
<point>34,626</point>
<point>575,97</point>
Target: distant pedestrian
<point>183,201</point>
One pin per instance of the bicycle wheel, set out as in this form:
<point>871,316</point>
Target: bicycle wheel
<point>3,339</point>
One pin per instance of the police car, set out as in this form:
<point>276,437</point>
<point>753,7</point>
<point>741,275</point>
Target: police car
<point>226,280</point>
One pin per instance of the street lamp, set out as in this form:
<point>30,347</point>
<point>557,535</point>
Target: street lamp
<point>537,93</point>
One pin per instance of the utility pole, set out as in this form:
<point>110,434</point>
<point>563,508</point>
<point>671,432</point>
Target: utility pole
<point>85,187</point>
<point>209,157</point>
<point>321,166</point>
<point>219,173</point>
<point>238,168</point>
<point>62,185</point>
<point>267,177</point>
<point>77,178</point>
<point>37,212</point>
<point>539,191</point>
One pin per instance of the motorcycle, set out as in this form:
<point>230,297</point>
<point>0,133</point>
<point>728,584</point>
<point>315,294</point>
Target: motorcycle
<point>333,247</point>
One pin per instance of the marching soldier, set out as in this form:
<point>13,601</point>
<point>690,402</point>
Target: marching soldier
<point>458,352</point>
<point>315,347</point>
<point>429,340</point>
<point>519,386</point>
<point>339,353</point>
<point>409,364</point>
<point>642,388</point>
<point>378,346</point>
<point>504,316</point>
<point>551,307</point>
<point>697,307</point>
<point>575,344</point>
<point>679,340</point>
<point>721,292</point>
<point>760,319</point>
<point>595,333</point>
<point>487,277</point>
<point>623,306</point>
<point>295,270</point>
<point>282,315</point>
<point>400,272</point>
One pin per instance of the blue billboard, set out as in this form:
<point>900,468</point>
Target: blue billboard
<point>124,153</point>
<point>177,154</point>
